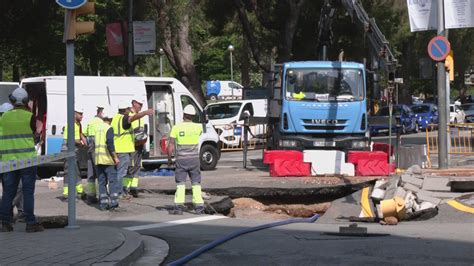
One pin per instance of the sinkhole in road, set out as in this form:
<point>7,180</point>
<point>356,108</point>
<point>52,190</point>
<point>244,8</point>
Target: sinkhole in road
<point>276,209</point>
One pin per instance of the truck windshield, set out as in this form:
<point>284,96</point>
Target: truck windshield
<point>324,85</point>
<point>223,110</point>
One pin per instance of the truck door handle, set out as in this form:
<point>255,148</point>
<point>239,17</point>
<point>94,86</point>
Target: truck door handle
<point>53,130</point>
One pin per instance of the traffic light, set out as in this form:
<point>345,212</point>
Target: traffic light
<point>74,27</point>
<point>449,64</point>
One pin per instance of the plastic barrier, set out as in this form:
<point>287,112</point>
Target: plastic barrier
<point>289,168</point>
<point>13,165</point>
<point>269,156</point>
<point>373,168</point>
<point>355,156</point>
<point>378,146</point>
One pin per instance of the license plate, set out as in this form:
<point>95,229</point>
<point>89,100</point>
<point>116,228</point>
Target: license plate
<point>383,130</point>
<point>324,143</point>
<point>238,131</point>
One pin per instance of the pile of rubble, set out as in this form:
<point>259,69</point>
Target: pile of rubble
<point>408,196</point>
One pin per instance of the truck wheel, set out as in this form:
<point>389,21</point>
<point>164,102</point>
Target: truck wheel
<point>213,97</point>
<point>208,157</point>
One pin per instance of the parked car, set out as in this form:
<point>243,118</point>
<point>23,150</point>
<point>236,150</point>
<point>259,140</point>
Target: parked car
<point>468,110</point>
<point>425,114</point>
<point>228,118</point>
<point>456,114</point>
<point>406,120</point>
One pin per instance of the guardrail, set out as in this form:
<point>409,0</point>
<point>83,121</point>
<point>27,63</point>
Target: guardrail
<point>231,136</point>
<point>460,136</point>
<point>13,165</point>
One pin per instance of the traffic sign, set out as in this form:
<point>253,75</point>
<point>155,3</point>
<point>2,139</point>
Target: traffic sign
<point>71,4</point>
<point>439,48</point>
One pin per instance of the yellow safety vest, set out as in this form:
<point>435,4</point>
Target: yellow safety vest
<point>298,96</point>
<point>102,155</point>
<point>123,138</point>
<point>77,131</point>
<point>93,124</point>
<point>16,141</point>
<point>139,123</point>
<point>187,138</point>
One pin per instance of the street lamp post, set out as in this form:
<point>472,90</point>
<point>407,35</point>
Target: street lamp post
<point>161,61</point>
<point>231,49</point>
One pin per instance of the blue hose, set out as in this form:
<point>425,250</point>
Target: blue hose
<point>235,234</point>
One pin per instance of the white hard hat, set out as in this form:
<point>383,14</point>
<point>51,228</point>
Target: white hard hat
<point>5,107</point>
<point>19,96</point>
<point>78,109</point>
<point>137,98</point>
<point>189,110</point>
<point>108,112</point>
<point>123,105</point>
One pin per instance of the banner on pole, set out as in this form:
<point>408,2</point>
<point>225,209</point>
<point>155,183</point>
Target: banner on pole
<point>423,14</point>
<point>458,14</point>
<point>115,40</point>
<point>144,37</point>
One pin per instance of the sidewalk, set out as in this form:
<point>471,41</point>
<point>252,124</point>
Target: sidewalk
<point>88,245</point>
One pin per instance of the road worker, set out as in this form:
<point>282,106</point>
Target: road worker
<point>130,182</point>
<point>80,142</point>
<point>91,171</point>
<point>17,143</point>
<point>124,141</point>
<point>184,139</point>
<point>106,160</point>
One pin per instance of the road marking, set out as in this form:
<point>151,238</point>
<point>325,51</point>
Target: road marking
<point>174,223</point>
<point>461,207</point>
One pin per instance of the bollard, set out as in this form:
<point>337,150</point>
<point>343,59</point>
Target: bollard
<point>245,146</point>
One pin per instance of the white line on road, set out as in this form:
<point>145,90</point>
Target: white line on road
<point>174,223</point>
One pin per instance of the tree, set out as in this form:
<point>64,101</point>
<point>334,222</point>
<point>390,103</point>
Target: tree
<point>174,18</point>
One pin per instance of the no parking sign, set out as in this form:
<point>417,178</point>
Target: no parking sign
<point>439,48</point>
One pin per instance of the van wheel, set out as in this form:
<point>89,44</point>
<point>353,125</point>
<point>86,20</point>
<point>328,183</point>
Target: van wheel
<point>208,157</point>
<point>213,97</point>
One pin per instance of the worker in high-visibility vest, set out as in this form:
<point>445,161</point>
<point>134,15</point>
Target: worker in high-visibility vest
<point>80,142</point>
<point>97,121</point>
<point>124,142</point>
<point>130,182</point>
<point>17,142</point>
<point>184,139</point>
<point>106,160</point>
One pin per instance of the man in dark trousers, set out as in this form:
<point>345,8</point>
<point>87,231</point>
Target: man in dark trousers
<point>184,139</point>
<point>16,143</point>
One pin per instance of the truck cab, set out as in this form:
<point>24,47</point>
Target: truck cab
<point>320,105</point>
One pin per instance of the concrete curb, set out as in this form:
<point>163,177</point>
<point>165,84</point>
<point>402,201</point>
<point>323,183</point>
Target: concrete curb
<point>129,251</point>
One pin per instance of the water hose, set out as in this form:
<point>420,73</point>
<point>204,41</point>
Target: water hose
<point>235,234</point>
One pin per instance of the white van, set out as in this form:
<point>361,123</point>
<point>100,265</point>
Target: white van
<point>167,96</point>
<point>223,89</point>
<point>228,117</point>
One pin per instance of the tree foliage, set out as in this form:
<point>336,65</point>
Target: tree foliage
<point>195,34</point>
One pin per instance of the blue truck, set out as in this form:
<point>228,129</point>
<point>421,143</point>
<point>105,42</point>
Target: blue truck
<point>319,105</point>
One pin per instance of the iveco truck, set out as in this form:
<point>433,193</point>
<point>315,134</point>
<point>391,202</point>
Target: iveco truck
<point>319,105</point>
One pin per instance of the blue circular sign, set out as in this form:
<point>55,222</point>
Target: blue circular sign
<point>439,48</point>
<point>71,4</point>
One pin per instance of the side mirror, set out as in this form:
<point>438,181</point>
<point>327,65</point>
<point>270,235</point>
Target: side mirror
<point>245,115</point>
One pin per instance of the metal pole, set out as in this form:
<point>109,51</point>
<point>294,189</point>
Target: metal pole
<point>161,65</point>
<point>443,115</point>
<point>131,70</point>
<point>71,161</point>
<point>231,70</point>
<point>325,52</point>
